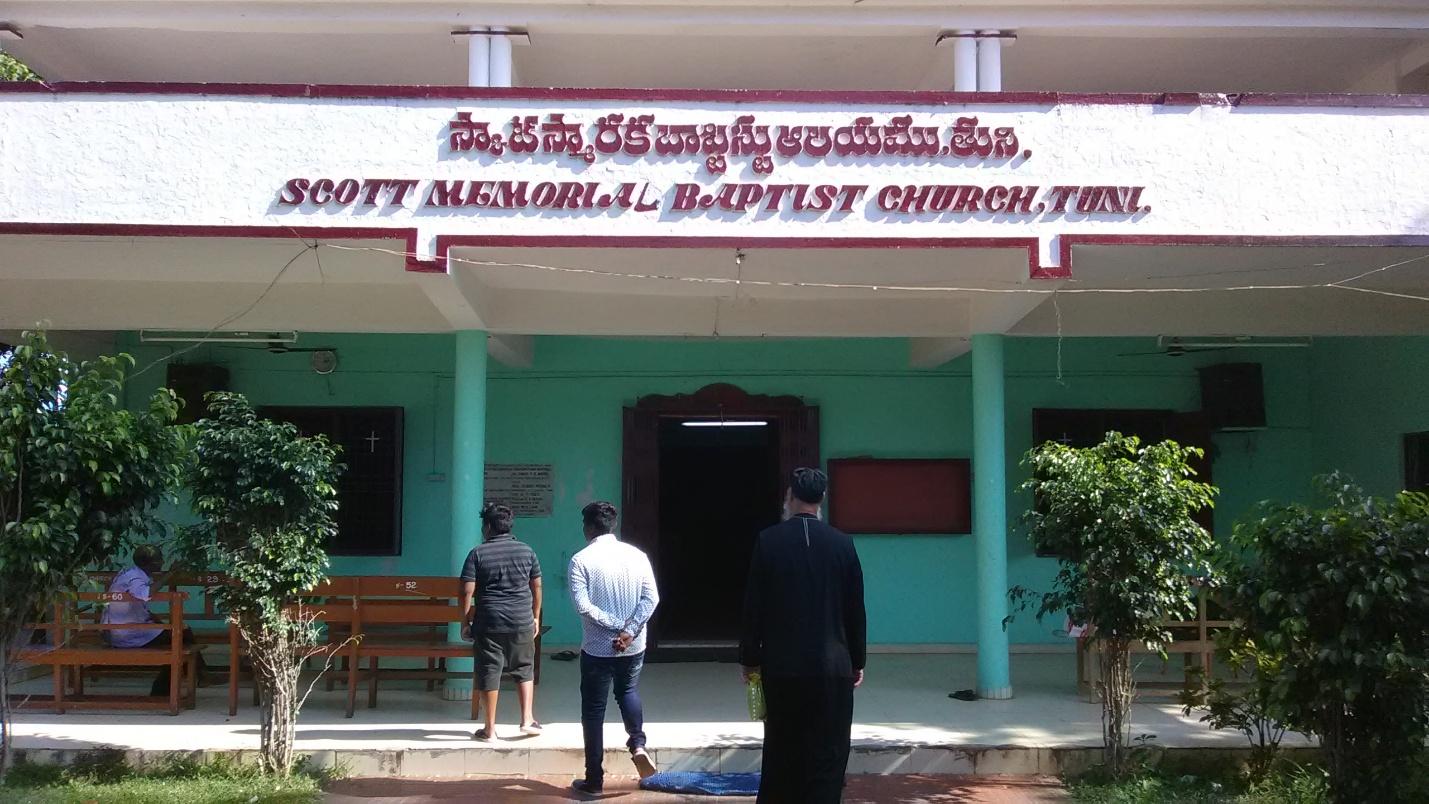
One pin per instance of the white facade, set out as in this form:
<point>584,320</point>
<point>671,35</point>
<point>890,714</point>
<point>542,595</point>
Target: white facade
<point>1225,171</point>
<point>1240,162</point>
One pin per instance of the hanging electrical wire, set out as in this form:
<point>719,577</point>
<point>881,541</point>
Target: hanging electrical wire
<point>307,248</point>
<point>742,281</point>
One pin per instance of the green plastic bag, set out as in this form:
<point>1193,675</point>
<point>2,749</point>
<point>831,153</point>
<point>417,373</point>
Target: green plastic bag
<point>756,697</point>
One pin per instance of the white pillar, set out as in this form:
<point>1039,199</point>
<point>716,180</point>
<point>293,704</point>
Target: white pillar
<point>478,60</point>
<point>965,62</point>
<point>500,69</point>
<point>989,62</point>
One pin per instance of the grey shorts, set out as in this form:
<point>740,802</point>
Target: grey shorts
<point>512,654</point>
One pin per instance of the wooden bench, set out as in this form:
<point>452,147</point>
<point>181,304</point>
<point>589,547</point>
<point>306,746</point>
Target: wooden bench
<point>391,617</point>
<point>1193,639</point>
<point>333,605</point>
<point>208,625</point>
<point>408,617</point>
<point>74,642</point>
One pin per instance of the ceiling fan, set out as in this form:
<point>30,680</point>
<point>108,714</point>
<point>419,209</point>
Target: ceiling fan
<point>277,348</point>
<point>323,361</point>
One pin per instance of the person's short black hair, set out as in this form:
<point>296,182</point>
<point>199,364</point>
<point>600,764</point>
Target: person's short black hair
<point>601,516</point>
<point>497,517</point>
<point>148,555</point>
<point>808,485</point>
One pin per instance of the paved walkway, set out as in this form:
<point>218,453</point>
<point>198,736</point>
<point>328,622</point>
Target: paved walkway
<point>904,789</point>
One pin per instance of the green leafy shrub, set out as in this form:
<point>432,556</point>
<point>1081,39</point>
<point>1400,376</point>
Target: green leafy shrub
<point>12,69</point>
<point>1284,786</point>
<point>1340,594</point>
<point>1247,708</point>
<point>265,496</point>
<point>1120,517</point>
<point>80,477</point>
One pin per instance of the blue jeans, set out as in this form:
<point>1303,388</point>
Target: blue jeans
<point>598,675</point>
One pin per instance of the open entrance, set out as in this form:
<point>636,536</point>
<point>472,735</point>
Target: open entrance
<point>703,474</point>
<point>719,486</point>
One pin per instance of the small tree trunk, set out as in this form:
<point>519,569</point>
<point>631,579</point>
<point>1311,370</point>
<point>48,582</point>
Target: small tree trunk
<point>278,727</point>
<point>275,671</point>
<point>10,640</point>
<point>1117,694</point>
<point>1336,750</point>
<point>6,727</point>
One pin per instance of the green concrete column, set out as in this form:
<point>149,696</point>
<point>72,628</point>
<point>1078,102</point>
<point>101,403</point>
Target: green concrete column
<point>468,474</point>
<point>994,678</point>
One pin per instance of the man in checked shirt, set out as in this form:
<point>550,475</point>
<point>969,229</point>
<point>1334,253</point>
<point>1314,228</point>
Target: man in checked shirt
<point>613,589</point>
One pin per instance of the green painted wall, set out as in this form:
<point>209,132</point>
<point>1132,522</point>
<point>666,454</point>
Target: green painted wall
<point>1368,393</point>
<point>565,410</point>
<point>1247,466</point>
<point>413,371</point>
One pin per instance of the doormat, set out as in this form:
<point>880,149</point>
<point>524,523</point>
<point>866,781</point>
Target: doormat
<point>703,784</point>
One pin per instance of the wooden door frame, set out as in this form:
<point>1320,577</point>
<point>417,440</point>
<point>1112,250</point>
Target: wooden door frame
<point>798,424</point>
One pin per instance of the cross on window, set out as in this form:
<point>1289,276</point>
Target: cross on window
<point>372,441</point>
<point>1065,439</point>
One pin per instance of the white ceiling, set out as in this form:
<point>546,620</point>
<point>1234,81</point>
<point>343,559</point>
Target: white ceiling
<point>196,283</point>
<point>1079,61</point>
<point>766,273</point>
<point>1263,305</point>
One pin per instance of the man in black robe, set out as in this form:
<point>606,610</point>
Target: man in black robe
<point>805,633</point>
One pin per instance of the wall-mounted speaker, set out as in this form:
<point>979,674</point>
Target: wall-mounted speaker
<point>1233,396</point>
<point>189,382</point>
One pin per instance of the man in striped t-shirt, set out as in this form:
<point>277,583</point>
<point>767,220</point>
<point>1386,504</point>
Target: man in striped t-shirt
<point>501,601</point>
<point>613,590</point>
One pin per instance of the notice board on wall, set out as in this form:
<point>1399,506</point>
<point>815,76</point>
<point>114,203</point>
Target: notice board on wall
<point>527,489</point>
<point>900,495</point>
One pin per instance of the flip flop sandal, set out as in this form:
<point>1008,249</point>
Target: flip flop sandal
<point>532,729</point>
<point>481,736</point>
<point>963,695</point>
<point>565,656</point>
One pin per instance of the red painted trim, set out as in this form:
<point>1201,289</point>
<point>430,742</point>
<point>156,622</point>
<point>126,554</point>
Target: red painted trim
<point>409,236</point>
<point>1308,241</point>
<point>1069,241</point>
<point>185,230</point>
<point>813,96</point>
<point>445,243</point>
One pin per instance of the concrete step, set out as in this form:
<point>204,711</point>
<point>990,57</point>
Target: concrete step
<point>876,759</point>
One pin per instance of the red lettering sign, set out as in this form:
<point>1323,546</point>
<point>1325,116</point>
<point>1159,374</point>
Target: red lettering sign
<point>721,148</point>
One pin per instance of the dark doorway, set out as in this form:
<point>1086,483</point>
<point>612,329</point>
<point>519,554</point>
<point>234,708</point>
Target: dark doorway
<point>732,495</point>
<point>719,486</point>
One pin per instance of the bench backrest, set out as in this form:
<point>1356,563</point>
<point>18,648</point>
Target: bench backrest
<point>199,587</point>
<point>75,620</point>
<point>408,586</point>
<point>407,607</point>
<point>202,585</point>
<point>334,603</point>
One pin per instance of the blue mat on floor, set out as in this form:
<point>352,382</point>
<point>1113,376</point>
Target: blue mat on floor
<point>703,784</point>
